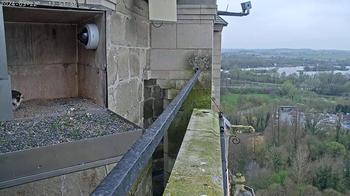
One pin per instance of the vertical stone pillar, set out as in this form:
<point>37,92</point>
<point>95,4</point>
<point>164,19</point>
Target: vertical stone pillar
<point>172,47</point>
<point>216,69</point>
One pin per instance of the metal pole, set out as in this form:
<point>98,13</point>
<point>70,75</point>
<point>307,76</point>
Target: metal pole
<point>223,152</point>
<point>224,13</point>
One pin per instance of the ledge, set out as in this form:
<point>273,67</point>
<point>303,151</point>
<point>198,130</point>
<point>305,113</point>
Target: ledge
<point>198,167</point>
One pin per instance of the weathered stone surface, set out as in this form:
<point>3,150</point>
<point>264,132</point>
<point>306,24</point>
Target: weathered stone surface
<point>173,60</point>
<point>198,168</point>
<point>123,64</point>
<point>131,32</point>
<point>123,100</point>
<point>112,66</point>
<point>143,185</point>
<point>216,73</point>
<point>163,36</point>
<point>128,7</point>
<point>150,82</point>
<point>194,35</point>
<point>147,92</point>
<point>117,28</point>
<point>180,84</point>
<point>134,62</point>
<point>171,93</point>
<point>166,84</point>
<point>148,108</point>
<point>157,92</point>
<point>200,2</point>
<point>158,107</point>
<point>142,33</point>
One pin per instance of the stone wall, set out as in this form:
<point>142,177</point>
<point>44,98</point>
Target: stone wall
<point>216,73</point>
<point>173,45</point>
<point>127,48</point>
<point>153,102</point>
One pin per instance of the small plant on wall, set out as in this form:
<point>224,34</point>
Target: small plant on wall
<point>202,62</point>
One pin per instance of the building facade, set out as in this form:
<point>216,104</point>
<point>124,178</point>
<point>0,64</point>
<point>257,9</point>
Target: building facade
<point>138,67</point>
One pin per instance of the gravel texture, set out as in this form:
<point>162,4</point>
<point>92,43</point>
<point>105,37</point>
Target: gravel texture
<point>41,123</point>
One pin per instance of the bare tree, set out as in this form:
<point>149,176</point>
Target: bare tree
<point>300,165</point>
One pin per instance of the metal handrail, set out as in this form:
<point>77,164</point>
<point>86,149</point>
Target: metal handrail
<point>120,180</point>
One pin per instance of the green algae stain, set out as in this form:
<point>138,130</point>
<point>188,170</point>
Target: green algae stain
<point>197,169</point>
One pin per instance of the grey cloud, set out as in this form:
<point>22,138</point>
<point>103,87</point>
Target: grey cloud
<point>317,24</point>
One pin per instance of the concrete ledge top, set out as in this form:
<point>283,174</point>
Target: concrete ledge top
<point>198,167</point>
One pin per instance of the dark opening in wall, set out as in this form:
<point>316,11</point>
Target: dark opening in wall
<point>45,59</point>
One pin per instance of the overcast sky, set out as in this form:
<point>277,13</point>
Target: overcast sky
<point>316,24</point>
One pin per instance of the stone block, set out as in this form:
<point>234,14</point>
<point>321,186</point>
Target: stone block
<point>142,28</point>
<point>188,21</point>
<point>186,11</point>
<point>166,84</point>
<point>170,59</point>
<point>216,59</point>
<point>197,2</point>
<point>132,7</point>
<point>123,100</point>
<point>107,4</point>
<point>170,75</point>
<point>140,89</point>
<point>148,109</point>
<point>163,36</point>
<point>158,107</point>
<point>194,36</point>
<point>216,73</point>
<point>123,63</point>
<point>117,28</point>
<point>112,66</point>
<point>151,82</point>
<point>180,84</point>
<point>208,10</point>
<point>134,62</point>
<point>147,92</point>
<point>131,30</point>
<point>157,92</point>
<point>171,93</point>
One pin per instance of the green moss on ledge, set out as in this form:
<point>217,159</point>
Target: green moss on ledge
<point>198,170</point>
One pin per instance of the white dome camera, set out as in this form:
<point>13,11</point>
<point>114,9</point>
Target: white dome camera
<point>89,36</point>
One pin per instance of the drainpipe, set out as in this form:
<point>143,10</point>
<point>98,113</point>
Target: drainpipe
<point>6,112</point>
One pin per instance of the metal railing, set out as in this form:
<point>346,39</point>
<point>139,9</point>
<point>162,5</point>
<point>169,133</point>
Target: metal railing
<point>120,180</point>
<point>223,153</point>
